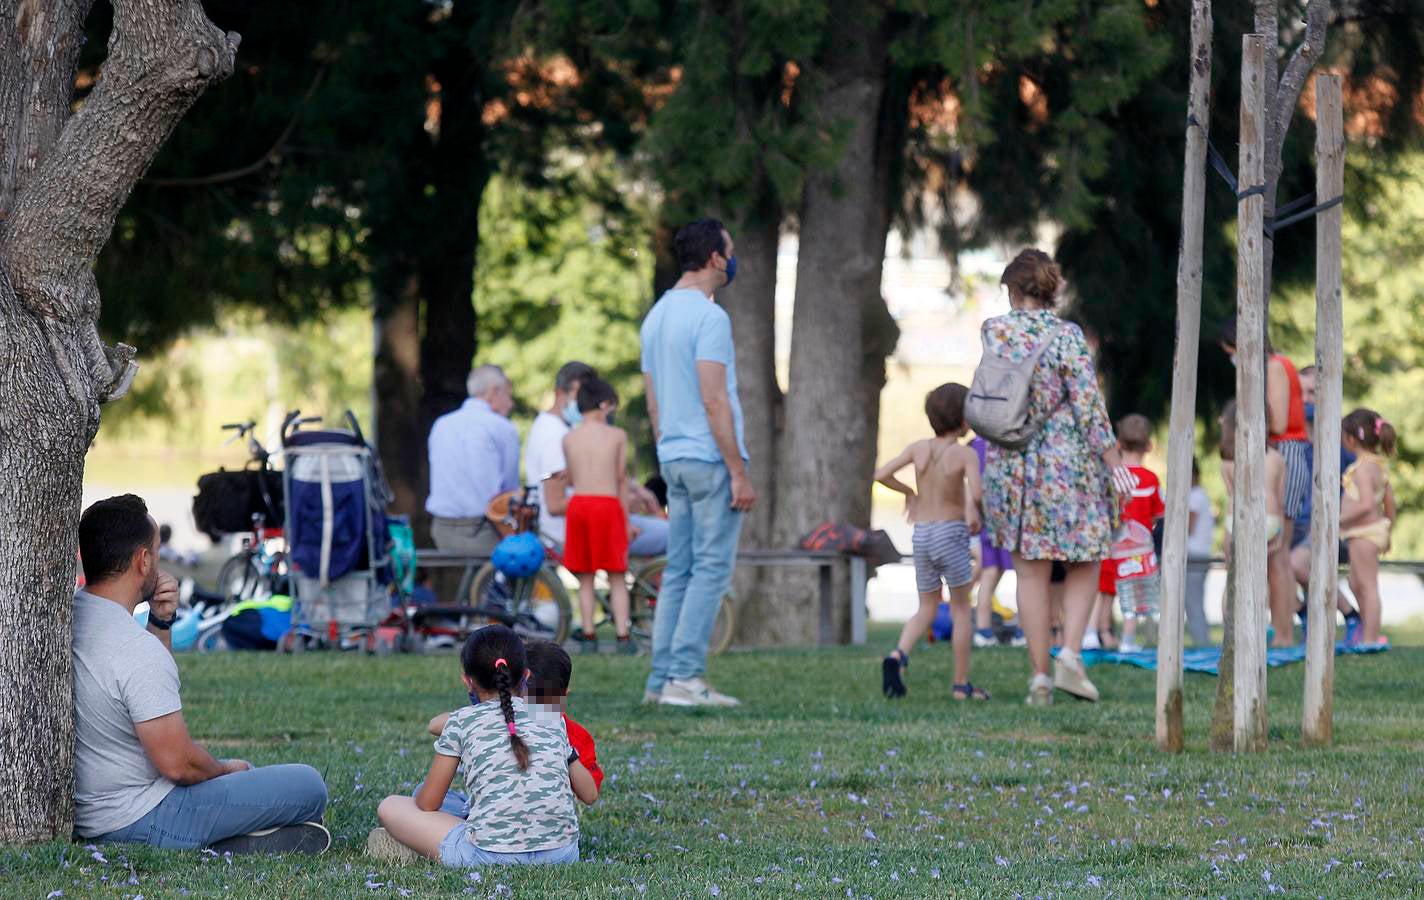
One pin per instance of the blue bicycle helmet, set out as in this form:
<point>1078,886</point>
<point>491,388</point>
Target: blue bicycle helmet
<point>519,555</point>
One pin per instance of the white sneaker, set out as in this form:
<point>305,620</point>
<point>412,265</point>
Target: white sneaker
<point>985,640</point>
<point>1018,639</point>
<point>651,697</point>
<point>1040,691</point>
<point>1128,645</point>
<point>1091,641</point>
<point>1070,676</point>
<point>693,692</point>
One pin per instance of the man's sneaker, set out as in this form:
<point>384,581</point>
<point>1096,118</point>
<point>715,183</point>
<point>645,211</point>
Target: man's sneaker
<point>1128,645</point>
<point>1069,676</point>
<point>984,637</point>
<point>693,692</point>
<point>651,697</point>
<point>1018,639</point>
<point>1091,641</point>
<point>308,838</point>
<point>587,643</point>
<point>1040,691</point>
<point>382,846</point>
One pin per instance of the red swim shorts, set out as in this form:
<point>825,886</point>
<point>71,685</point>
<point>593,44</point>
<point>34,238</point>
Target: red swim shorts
<point>595,535</point>
<point>1107,577</point>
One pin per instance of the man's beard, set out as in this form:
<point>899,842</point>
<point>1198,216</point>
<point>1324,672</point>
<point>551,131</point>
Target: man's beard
<point>150,584</point>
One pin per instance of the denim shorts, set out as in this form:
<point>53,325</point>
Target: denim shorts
<point>459,852</point>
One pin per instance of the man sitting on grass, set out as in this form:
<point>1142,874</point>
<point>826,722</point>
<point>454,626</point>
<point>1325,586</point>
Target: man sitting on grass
<point>138,776</point>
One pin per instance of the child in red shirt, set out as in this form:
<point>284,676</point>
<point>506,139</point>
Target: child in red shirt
<point>1144,505</point>
<point>549,671</point>
<point>547,693</point>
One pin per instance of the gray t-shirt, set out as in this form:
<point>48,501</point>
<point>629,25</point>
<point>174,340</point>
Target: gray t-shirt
<point>122,675</point>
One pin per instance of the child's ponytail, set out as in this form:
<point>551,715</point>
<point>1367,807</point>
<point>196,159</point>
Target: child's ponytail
<point>1371,430</point>
<point>504,683</point>
<point>491,657</point>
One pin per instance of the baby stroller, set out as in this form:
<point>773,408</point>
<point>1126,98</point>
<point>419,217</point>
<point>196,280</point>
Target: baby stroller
<point>336,532</point>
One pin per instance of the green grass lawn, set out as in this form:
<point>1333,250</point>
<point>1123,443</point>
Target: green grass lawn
<point>819,786</point>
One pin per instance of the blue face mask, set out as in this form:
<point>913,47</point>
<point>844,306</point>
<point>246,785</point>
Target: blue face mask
<point>474,699</point>
<point>571,414</point>
<point>731,270</point>
<point>1310,413</point>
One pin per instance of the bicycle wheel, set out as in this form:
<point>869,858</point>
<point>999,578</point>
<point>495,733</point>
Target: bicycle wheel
<point>210,636</point>
<point>536,608</point>
<point>643,597</point>
<point>240,577</point>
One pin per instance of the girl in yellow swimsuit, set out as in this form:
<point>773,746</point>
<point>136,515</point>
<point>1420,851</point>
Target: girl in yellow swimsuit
<point>1367,511</point>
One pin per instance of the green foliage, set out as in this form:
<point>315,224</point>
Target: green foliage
<point>818,782</point>
<point>560,278</point>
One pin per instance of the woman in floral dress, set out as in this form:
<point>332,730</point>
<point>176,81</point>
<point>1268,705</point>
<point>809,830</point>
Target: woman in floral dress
<point>1053,500</point>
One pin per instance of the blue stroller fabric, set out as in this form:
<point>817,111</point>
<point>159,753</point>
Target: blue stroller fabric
<point>308,509</point>
<point>1207,659</point>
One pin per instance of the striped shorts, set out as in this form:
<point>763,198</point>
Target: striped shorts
<point>1297,456</point>
<point>941,551</point>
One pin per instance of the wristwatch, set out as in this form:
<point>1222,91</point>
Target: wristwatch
<point>573,756</point>
<point>159,622</point>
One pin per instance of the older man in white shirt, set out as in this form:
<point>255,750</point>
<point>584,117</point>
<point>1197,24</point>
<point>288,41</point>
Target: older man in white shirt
<point>474,457</point>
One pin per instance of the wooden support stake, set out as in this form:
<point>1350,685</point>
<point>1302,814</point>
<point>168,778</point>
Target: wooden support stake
<point>1181,439</point>
<point>1249,499</point>
<point>1316,723</point>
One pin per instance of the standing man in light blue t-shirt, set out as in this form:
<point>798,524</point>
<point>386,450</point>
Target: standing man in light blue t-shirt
<point>690,373</point>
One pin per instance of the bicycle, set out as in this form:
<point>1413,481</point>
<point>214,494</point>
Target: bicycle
<point>546,590</point>
<point>256,568</point>
<point>536,607</point>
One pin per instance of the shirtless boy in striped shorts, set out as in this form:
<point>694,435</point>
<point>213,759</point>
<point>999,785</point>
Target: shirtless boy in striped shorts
<point>944,506</point>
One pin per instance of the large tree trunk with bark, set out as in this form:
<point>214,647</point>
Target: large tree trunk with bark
<point>751,304</point>
<point>63,178</point>
<point>396,394</point>
<point>841,254</point>
<point>425,314</point>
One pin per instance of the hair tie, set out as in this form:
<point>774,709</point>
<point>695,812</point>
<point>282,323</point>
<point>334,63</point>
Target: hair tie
<point>501,662</point>
<point>512,730</point>
<point>1379,423</point>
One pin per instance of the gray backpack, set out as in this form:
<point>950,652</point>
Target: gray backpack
<point>997,406</point>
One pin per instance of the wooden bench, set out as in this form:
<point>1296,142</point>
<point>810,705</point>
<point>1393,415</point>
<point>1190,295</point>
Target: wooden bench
<point>824,561</point>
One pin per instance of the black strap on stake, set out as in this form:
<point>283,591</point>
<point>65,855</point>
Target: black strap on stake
<point>1273,227</point>
<point>1283,213</point>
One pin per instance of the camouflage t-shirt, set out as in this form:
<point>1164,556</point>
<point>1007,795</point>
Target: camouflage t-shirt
<point>512,811</point>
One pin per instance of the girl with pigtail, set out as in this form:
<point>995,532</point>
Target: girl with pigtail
<point>520,774</point>
<point>1367,512</point>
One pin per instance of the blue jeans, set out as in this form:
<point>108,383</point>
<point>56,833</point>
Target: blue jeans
<point>458,852</point>
<point>652,539</point>
<point>702,547</point>
<point>455,803</point>
<point>197,815</point>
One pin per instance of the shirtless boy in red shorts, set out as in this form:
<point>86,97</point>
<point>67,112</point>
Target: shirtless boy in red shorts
<point>596,530</point>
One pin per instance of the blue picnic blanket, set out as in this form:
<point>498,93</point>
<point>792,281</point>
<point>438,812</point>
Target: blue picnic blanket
<point>1206,659</point>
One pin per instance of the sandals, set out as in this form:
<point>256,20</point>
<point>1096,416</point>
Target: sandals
<point>890,669</point>
<point>967,691</point>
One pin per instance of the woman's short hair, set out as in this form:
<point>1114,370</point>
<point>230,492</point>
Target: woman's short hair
<point>1033,273</point>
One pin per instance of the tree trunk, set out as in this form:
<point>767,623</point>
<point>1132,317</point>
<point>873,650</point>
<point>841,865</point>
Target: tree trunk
<point>1223,711</point>
<point>425,280</point>
<point>396,396</point>
<point>842,250</point>
<point>63,179</point>
<point>751,304</point>
<point>1171,736</point>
